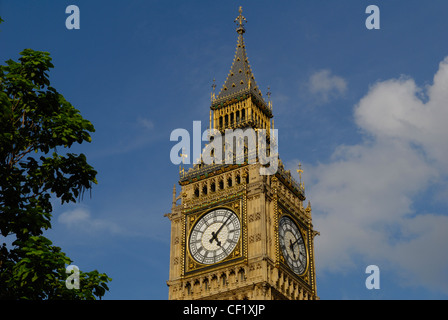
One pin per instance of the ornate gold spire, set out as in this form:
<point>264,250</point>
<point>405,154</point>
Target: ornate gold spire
<point>212,95</point>
<point>240,20</point>
<point>240,79</point>
<point>268,94</point>
<point>300,171</point>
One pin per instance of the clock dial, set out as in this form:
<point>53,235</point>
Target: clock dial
<point>214,236</point>
<point>292,245</point>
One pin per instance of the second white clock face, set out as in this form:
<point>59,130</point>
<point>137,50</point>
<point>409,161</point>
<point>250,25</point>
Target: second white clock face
<point>292,245</point>
<point>214,236</point>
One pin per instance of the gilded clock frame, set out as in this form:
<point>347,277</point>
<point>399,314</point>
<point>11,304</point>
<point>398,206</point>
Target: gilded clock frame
<point>304,231</point>
<point>282,257</point>
<point>239,253</point>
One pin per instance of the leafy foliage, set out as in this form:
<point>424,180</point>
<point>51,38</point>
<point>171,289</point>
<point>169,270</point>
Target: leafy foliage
<point>34,121</point>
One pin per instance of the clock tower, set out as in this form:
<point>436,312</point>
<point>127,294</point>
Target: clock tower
<point>237,233</point>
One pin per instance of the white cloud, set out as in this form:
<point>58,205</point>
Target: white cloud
<point>80,220</point>
<point>367,198</point>
<point>74,217</point>
<point>394,110</point>
<point>323,85</point>
<point>145,123</point>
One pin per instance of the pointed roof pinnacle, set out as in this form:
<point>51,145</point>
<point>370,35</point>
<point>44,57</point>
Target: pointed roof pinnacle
<point>240,21</point>
<point>240,79</point>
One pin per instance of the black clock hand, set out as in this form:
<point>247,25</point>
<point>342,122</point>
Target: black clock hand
<point>294,243</point>
<point>215,235</point>
<point>291,247</point>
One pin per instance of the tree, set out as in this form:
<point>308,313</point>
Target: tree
<point>36,122</point>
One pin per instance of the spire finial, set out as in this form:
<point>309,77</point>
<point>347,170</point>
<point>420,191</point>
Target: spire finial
<point>300,171</point>
<point>174,196</point>
<point>240,20</point>
<point>213,92</point>
<point>269,98</point>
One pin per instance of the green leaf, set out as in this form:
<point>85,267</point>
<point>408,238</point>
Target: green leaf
<point>35,117</point>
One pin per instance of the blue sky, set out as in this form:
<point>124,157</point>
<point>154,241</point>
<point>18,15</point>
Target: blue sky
<point>363,110</point>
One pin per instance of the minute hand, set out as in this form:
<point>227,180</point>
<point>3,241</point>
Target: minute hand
<point>292,244</point>
<point>215,235</point>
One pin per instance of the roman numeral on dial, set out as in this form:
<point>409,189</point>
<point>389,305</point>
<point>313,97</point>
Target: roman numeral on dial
<point>214,236</point>
<point>292,245</point>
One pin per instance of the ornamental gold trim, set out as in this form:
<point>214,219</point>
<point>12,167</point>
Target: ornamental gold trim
<point>191,265</point>
<point>307,273</point>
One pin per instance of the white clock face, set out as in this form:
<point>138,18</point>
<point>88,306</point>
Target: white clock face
<point>292,245</point>
<point>214,236</point>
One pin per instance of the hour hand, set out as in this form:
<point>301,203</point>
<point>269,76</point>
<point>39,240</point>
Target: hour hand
<point>215,237</point>
<point>291,246</point>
